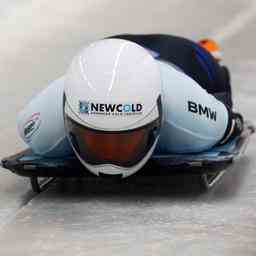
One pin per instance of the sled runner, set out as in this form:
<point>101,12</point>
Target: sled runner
<point>210,165</point>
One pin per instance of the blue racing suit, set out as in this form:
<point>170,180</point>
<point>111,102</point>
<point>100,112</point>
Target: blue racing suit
<point>196,115</point>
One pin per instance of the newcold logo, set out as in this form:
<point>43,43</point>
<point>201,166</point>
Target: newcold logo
<point>91,108</point>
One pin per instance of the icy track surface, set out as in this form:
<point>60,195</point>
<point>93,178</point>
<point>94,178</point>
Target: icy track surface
<point>148,217</point>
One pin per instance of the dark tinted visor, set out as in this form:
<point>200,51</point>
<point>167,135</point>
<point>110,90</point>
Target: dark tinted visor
<point>125,148</point>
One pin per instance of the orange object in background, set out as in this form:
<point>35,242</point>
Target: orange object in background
<point>212,47</point>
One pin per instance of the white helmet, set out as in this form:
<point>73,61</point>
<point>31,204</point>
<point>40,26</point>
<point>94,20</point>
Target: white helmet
<point>112,106</point>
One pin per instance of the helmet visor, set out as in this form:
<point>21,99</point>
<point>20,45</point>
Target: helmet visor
<point>125,148</point>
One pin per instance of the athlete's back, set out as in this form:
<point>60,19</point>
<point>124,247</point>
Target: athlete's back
<point>191,58</point>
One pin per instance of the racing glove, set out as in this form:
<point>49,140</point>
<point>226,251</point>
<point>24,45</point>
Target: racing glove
<point>235,128</point>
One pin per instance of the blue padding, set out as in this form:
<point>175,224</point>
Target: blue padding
<point>205,61</point>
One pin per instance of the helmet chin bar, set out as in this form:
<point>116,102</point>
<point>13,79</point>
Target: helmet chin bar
<point>111,169</point>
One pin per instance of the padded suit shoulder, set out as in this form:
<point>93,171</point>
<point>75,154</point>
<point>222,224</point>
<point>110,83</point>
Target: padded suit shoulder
<point>194,120</point>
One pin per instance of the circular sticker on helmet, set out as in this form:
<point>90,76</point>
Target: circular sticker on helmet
<point>32,125</point>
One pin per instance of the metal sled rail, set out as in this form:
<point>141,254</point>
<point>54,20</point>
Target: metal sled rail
<point>210,166</point>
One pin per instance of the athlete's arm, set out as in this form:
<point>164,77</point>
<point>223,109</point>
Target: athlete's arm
<point>41,124</point>
<point>194,120</point>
